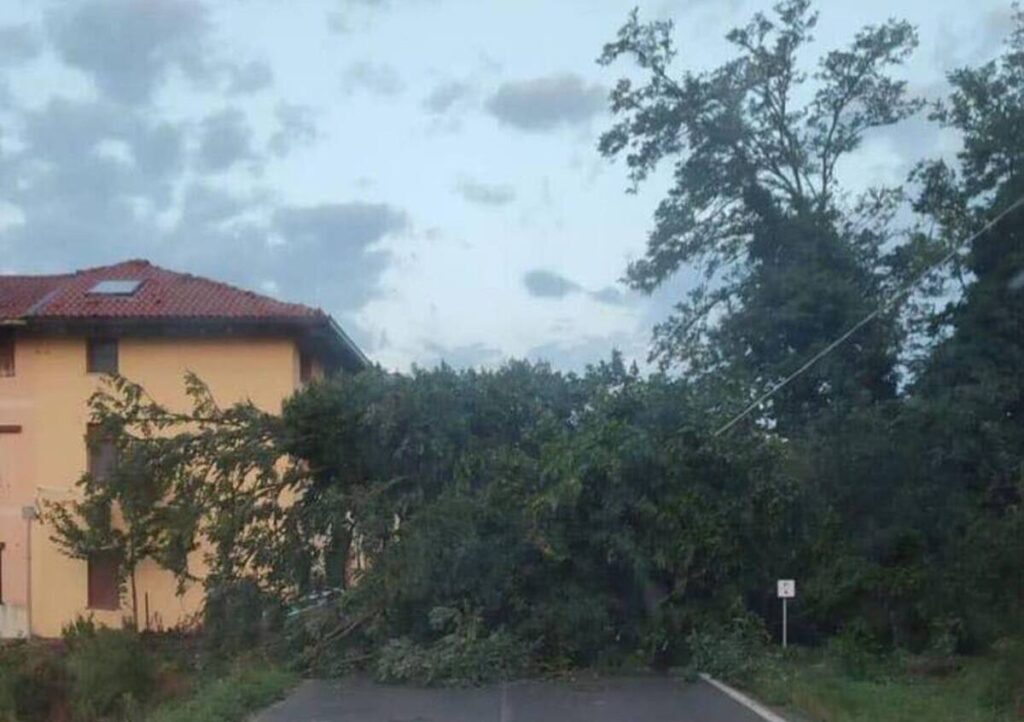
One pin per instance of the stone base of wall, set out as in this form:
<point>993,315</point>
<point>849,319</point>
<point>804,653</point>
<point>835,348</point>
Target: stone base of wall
<point>13,621</point>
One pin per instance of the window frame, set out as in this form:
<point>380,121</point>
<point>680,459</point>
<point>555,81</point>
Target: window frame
<point>92,358</point>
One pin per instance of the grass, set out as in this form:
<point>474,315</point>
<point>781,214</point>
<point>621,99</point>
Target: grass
<point>245,689</point>
<point>819,687</point>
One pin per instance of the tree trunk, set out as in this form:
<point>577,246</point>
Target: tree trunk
<point>135,601</point>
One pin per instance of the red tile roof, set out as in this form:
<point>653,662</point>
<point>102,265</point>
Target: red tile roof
<point>163,295</point>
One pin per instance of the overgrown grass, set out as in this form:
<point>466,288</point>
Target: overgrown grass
<point>820,687</point>
<point>248,687</point>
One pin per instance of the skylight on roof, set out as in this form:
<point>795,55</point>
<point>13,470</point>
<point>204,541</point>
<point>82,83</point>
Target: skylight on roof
<point>115,288</point>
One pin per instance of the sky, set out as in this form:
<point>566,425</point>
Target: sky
<point>424,170</point>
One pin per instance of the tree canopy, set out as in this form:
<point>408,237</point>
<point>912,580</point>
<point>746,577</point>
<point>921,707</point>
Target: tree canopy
<point>478,523</point>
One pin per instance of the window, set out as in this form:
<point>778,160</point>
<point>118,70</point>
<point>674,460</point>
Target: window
<point>6,352</point>
<point>101,453</point>
<point>101,356</point>
<point>103,587</point>
<point>120,287</point>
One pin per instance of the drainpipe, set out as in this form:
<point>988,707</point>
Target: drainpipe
<point>29,514</point>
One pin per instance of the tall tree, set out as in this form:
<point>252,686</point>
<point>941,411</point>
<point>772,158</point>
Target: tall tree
<point>970,392</point>
<point>756,203</point>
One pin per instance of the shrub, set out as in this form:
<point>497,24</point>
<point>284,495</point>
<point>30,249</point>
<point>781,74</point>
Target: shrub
<point>465,655</point>
<point>730,651</point>
<point>857,653</point>
<point>8,709</point>
<point>110,673</point>
<point>81,629</point>
<point>231,698</point>
<point>1003,687</point>
<point>33,681</point>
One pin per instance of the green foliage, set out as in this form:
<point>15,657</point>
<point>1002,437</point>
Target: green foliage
<point>96,673</point>
<point>237,616</point>
<point>756,207</point>
<point>857,653</point>
<point>455,526</point>
<point>8,704</point>
<point>232,698</point>
<point>587,519</point>
<point>728,651</point>
<point>209,474</point>
<point>33,681</point>
<point>1003,686</point>
<point>980,689</point>
<point>110,671</point>
<point>464,654</point>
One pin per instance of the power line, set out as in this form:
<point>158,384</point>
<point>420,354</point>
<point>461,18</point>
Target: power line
<point>882,308</point>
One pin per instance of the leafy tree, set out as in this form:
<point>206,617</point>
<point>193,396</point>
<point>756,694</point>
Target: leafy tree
<point>128,513</point>
<point>209,479</point>
<point>380,445</point>
<point>524,516</point>
<point>756,204</point>
<point>969,396</point>
<point>582,518</point>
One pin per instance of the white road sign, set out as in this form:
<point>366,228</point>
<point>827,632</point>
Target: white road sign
<point>787,588</point>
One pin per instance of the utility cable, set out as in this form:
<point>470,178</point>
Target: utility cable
<point>882,308</point>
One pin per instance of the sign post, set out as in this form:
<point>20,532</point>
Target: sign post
<point>786,589</point>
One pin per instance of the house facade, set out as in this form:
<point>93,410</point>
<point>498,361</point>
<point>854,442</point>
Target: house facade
<point>59,335</point>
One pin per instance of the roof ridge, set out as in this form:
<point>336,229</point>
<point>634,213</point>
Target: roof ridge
<point>34,276</point>
<point>238,289</point>
<point>164,292</point>
<point>110,266</point>
<point>82,271</point>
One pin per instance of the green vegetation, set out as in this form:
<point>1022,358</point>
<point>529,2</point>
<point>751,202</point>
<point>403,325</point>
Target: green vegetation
<point>110,672</point>
<point>521,520</point>
<point>821,686</point>
<point>98,674</point>
<point>230,698</point>
<point>33,682</point>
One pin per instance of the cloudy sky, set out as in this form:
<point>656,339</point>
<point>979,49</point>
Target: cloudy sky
<point>425,170</point>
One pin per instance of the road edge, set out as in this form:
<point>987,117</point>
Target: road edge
<point>737,696</point>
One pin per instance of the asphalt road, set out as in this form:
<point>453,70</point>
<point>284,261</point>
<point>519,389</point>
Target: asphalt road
<point>646,699</point>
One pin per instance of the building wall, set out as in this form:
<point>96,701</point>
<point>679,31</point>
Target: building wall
<point>48,398</point>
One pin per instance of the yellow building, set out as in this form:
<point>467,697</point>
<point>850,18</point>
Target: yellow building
<point>58,336</point>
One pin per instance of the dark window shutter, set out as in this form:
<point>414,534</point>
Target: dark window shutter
<point>101,356</point>
<point>103,588</point>
<point>101,452</point>
<point>6,352</point>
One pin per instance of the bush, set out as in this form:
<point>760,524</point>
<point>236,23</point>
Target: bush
<point>110,673</point>
<point>1003,688</point>
<point>8,708</point>
<point>857,653</point>
<point>231,698</point>
<point>729,651</point>
<point>33,681</point>
<point>466,655</point>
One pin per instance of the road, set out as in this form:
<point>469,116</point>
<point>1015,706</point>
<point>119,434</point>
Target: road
<point>646,699</point>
